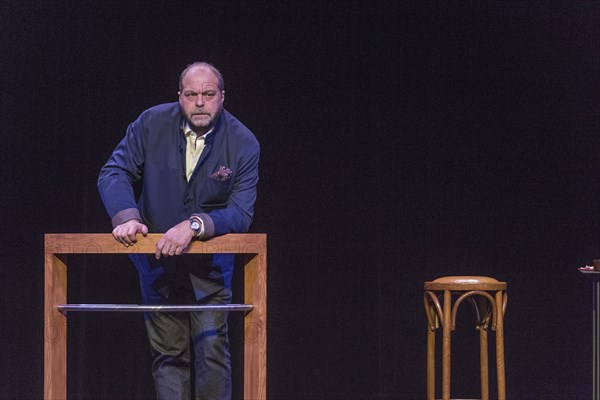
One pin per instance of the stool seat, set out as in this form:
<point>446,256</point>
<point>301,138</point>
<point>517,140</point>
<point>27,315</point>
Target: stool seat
<point>488,297</point>
<point>465,283</point>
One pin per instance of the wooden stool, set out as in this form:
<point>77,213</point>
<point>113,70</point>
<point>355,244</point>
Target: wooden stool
<point>487,306</point>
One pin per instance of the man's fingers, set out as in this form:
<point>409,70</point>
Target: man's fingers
<point>132,231</point>
<point>165,248</point>
<point>159,247</point>
<point>126,233</point>
<point>168,249</point>
<point>174,241</point>
<point>118,235</point>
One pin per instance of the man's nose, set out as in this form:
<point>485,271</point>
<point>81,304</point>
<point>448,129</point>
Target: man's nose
<point>200,100</point>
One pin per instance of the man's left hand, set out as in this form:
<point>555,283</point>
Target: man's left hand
<point>175,240</point>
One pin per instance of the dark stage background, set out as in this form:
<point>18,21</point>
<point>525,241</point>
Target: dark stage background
<point>400,142</point>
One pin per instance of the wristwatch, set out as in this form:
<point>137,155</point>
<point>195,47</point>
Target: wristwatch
<point>196,226</point>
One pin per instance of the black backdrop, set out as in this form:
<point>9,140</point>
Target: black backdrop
<point>400,142</point>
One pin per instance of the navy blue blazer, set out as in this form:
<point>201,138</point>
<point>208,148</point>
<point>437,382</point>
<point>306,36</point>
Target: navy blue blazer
<point>221,190</point>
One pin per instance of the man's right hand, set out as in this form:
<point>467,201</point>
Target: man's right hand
<point>125,233</point>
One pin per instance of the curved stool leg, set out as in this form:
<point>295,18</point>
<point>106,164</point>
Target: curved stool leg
<point>431,318</point>
<point>430,364</point>
<point>483,325</point>
<point>483,310</point>
<point>446,332</point>
<point>500,345</point>
<point>483,362</point>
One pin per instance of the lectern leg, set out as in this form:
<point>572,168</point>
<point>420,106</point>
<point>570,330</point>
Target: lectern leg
<point>55,326</point>
<point>596,334</point>
<point>255,328</point>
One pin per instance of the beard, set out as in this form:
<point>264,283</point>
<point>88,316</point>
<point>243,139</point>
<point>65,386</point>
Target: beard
<point>202,120</point>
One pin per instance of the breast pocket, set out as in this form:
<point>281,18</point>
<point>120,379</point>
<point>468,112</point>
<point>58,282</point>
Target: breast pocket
<point>216,188</point>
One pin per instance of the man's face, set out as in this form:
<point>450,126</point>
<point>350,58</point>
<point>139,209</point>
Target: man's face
<point>200,99</point>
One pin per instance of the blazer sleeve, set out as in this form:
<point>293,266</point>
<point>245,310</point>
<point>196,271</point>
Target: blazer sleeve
<point>124,167</point>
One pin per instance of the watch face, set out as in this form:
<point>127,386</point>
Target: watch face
<point>195,225</point>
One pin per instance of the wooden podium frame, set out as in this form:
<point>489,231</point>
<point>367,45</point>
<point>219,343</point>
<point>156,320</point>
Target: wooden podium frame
<point>59,246</point>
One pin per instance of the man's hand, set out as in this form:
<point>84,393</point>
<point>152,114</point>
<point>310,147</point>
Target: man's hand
<point>125,233</point>
<point>175,240</point>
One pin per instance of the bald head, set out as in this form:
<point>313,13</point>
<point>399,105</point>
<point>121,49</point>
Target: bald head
<point>201,64</point>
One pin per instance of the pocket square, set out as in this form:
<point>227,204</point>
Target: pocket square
<point>222,174</point>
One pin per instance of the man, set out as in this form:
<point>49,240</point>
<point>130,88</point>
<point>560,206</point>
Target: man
<point>198,169</point>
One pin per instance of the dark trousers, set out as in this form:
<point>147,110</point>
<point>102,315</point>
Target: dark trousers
<point>185,342</point>
<point>173,337</point>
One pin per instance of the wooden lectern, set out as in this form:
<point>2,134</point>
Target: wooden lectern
<point>59,246</point>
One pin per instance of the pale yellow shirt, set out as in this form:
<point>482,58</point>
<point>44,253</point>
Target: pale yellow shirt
<point>195,145</point>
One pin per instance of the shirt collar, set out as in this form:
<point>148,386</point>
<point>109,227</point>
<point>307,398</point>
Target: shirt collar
<point>187,131</point>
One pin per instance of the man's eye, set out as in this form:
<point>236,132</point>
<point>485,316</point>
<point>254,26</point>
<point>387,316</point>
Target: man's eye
<point>210,95</point>
<point>190,95</point>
